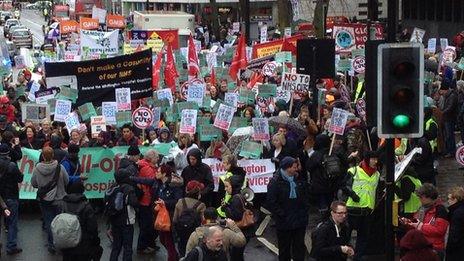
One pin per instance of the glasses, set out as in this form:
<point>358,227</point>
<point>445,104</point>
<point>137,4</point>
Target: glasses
<point>340,213</point>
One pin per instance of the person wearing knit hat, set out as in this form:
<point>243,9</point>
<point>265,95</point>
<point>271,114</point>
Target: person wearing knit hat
<point>72,164</point>
<point>287,200</point>
<point>450,112</point>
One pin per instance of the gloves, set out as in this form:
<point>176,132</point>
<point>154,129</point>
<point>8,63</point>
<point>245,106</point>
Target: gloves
<point>354,197</point>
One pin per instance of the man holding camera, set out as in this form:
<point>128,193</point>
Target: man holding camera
<point>233,236</point>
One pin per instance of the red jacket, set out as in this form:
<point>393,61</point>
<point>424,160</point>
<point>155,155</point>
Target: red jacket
<point>417,247</point>
<point>9,112</point>
<point>146,170</point>
<point>434,225</point>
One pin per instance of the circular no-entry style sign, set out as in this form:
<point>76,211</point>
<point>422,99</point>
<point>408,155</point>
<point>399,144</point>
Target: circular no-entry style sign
<point>142,117</point>
<point>185,85</point>
<point>460,155</point>
<point>269,68</point>
<point>359,64</point>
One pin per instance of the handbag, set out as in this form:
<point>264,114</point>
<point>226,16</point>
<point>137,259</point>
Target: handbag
<point>248,217</point>
<point>162,221</point>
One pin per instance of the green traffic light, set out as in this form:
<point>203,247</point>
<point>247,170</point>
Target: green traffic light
<point>401,121</point>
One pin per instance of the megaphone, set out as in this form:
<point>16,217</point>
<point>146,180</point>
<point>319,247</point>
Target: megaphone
<point>248,194</point>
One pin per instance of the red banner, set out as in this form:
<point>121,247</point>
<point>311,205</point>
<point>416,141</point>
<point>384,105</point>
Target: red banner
<point>272,47</point>
<point>349,36</point>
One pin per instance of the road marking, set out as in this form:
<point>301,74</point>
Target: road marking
<point>269,245</point>
<point>34,23</point>
<point>262,226</point>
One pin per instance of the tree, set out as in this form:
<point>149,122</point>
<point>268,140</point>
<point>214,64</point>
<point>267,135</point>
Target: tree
<point>320,14</point>
<point>283,14</point>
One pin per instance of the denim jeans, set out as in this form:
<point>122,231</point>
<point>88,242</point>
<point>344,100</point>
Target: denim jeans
<point>147,234</point>
<point>49,212</point>
<point>122,237</point>
<point>450,142</point>
<point>12,223</point>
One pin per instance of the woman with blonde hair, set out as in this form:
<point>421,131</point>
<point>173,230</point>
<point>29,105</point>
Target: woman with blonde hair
<point>455,244</point>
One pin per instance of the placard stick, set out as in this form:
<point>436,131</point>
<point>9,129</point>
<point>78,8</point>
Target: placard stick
<point>332,144</point>
<point>369,139</point>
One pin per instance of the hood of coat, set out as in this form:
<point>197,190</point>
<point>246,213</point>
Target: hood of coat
<point>46,168</point>
<point>415,240</point>
<point>195,153</point>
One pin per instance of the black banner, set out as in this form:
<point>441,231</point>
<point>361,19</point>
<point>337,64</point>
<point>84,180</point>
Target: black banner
<point>98,79</point>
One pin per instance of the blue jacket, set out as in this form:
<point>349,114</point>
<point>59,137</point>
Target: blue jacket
<point>73,169</point>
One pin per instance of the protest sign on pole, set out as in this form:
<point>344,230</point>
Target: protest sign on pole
<point>35,112</point>
<point>109,110</point>
<point>263,34</point>
<point>165,94</point>
<point>97,42</point>
<point>443,43</point>
<point>62,109</point>
<point>287,32</point>
<point>41,97</point>
<point>224,116</point>
<point>295,82</point>
<point>123,99</point>
<point>231,98</point>
<point>338,121</point>
<point>72,121</point>
<point>188,121</point>
<point>86,111</point>
<point>156,116</point>
<point>142,117</point>
<point>195,93</point>
<point>261,129</point>
<point>34,87</point>
<point>97,124</point>
<point>269,68</point>
<point>417,35</point>
<point>432,45</point>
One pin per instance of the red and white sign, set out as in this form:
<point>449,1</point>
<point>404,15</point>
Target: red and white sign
<point>460,155</point>
<point>185,85</point>
<point>115,21</point>
<point>188,121</point>
<point>97,125</point>
<point>269,68</point>
<point>258,172</point>
<point>88,23</point>
<point>360,33</point>
<point>359,64</point>
<point>142,117</point>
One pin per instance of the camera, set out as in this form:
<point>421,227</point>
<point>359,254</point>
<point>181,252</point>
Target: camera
<point>222,222</point>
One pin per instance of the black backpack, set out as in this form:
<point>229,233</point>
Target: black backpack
<point>189,219</point>
<point>115,201</point>
<point>332,167</point>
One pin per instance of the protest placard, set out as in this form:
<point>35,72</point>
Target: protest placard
<point>35,86</point>
<point>267,90</point>
<point>123,99</point>
<point>62,109</point>
<point>224,116</point>
<point>231,98</point>
<point>246,96</point>
<point>20,62</point>
<point>142,117</point>
<point>97,124</point>
<point>295,82</point>
<point>188,121</point>
<point>123,117</point>
<point>443,43</point>
<point>35,112</point>
<point>72,121</point>
<point>261,129</point>
<point>283,57</point>
<point>251,150</point>
<point>109,110</point>
<point>86,111</point>
<point>195,93</point>
<point>417,35</point>
<point>68,93</point>
<point>432,45</point>
<point>269,68</point>
<point>282,94</point>
<point>338,121</point>
<point>344,65</point>
<point>208,132</point>
<point>41,97</point>
<point>156,116</point>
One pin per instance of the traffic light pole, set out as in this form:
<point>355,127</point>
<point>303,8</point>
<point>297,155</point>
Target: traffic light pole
<point>390,151</point>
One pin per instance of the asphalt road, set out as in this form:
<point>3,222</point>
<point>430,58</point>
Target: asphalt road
<point>34,21</point>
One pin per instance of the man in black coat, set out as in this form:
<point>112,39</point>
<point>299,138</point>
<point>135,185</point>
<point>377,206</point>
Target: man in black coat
<point>287,198</point>
<point>331,239</point>
<point>10,176</point>
<point>450,112</point>
<point>201,172</point>
<point>76,203</point>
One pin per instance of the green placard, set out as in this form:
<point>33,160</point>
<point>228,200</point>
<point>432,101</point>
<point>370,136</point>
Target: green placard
<point>123,117</point>
<point>202,59</point>
<point>229,54</point>
<point>186,105</point>
<point>202,121</point>
<point>267,90</point>
<point>231,86</point>
<point>52,103</point>
<point>171,116</point>
<point>344,65</point>
<point>206,105</point>
<point>357,52</point>
<point>86,111</point>
<point>237,122</point>
<point>67,93</point>
<point>216,105</point>
<point>283,57</point>
<point>461,64</point>
<point>246,96</point>
<point>20,90</point>
<point>251,150</point>
<point>205,71</point>
<point>208,132</point>
<point>4,70</point>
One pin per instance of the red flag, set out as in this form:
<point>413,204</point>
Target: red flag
<point>288,46</point>
<point>193,67</point>
<point>255,77</point>
<point>170,72</point>
<point>240,60</point>
<point>212,80</point>
<point>156,70</point>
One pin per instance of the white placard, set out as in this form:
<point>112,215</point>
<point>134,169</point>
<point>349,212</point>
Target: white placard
<point>109,110</point>
<point>97,125</point>
<point>123,99</point>
<point>100,14</point>
<point>338,121</point>
<point>231,98</point>
<point>295,82</point>
<point>417,35</point>
<point>62,109</point>
<point>188,121</point>
<point>71,121</point>
<point>224,116</point>
<point>443,43</point>
<point>97,42</point>
<point>195,93</point>
<point>165,94</point>
<point>263,34</point>
<point>432,45</point>
<point>34,87</point>
<point>67,80</point>
<point>261,129</point>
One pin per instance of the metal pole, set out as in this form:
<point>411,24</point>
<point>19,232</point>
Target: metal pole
<point>392,23</point>
<point>246,18</point>
<point>389,186</point>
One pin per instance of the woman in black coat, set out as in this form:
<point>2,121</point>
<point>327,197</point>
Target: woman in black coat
<point>31,141</point>
<point>279,149</point>
<point>455,245</point>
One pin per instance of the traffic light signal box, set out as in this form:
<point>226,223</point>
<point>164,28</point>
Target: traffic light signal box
<point>400,92</point>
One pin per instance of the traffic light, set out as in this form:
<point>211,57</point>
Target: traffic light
<point>400,95</point>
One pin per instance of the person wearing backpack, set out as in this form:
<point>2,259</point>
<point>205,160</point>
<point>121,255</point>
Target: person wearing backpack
<point>233,236</point>
<point>211,247</point>
<point>188,214</point>
<point>323,179</point>
<point>10,177</point>
<point>88,248</point>
<point>120,208</point>
<point>51,179</point>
